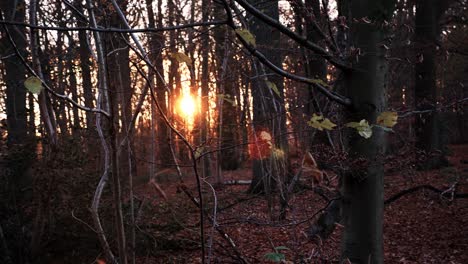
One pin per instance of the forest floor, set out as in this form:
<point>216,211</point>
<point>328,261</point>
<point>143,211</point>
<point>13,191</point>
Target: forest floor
<point>419,227</point>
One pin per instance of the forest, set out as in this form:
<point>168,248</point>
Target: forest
<point>233,131</point>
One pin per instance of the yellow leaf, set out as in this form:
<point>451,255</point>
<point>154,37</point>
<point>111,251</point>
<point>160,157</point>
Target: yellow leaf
<point>327,124</point>
<point>363,128</point>
<point>316,117</point>
<point>246,36</point>
<point>387,119</point>
<point>365,132</point>
<point>181,58</point>
<point>273,87</point>
<point>321,123</point>
<point>33,84</point>
<point>315,121</point>
<point>198,152</point>
<point>277,153</point>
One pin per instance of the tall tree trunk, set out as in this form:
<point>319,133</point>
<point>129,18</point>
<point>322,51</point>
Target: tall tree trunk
<point>102,102</point>
<point>47,113</point>
<point>204,117</point>
<point>205,88</point>
<point>73,86</point>
<point>20,149</point>
<point>430,130</point>
<point>119,80</point>
<point>41,222</point>
<point>229,137</point>
<point>119,102</point>
<point>85,64</point>
<point>156,48</point>
<point>174,82</point>
<point>362,187</point>
<point>60,78</point>
<point>268,107</point>
<point>14,77</point>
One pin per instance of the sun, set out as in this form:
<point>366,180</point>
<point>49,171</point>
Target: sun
<point>187,106</point>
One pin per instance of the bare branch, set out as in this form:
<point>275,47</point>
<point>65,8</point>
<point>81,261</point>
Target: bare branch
<point>293,35</point>
<point>46,86</point>
<point>328,93</point>
<point>427,111</point>
<point>115,30</point>
<point>422,187</point>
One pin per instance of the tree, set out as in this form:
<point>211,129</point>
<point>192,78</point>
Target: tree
<point>19,146</point>
<point>205,88</point>
<point>315,66</point>
<point>86,65</point>
<point>268,101</point>
<point>157,44</point>
<point>365,73</point>
<point>226,86</point>
<point>366,84</point>
<point>15,75</point>
<point>431,133</point>
<point>289,73</point>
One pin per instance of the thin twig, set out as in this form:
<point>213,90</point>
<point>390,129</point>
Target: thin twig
<point>83,222</point>
<point>265,61</point>
<point>114,30</point>
<point>44,84</point>
<point>293,35</point>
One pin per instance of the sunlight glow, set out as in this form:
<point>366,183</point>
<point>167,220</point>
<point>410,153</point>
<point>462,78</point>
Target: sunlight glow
<point>187,107</point>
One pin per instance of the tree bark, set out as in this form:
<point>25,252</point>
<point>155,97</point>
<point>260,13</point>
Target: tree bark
<point>73,88</point>
<point>20,148</point>
<point>430,130</point>
<point>362,186</point>
<point>101,102</point>
<point>229,137</point>
<point>268,107</point>
<point>205,89</point>
<point>86,65</point>
<point>157,43</point>
<point>15,73</point>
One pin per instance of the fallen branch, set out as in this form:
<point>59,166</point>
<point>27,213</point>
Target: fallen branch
<point>237,182</point>
<point>422,187</point>
<point>327,221</point>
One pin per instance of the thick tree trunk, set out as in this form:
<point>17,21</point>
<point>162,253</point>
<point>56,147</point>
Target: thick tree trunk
<point>431,132</point>
<point>362,187</point>
<point>15,73</point>
<point>20,149</point>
